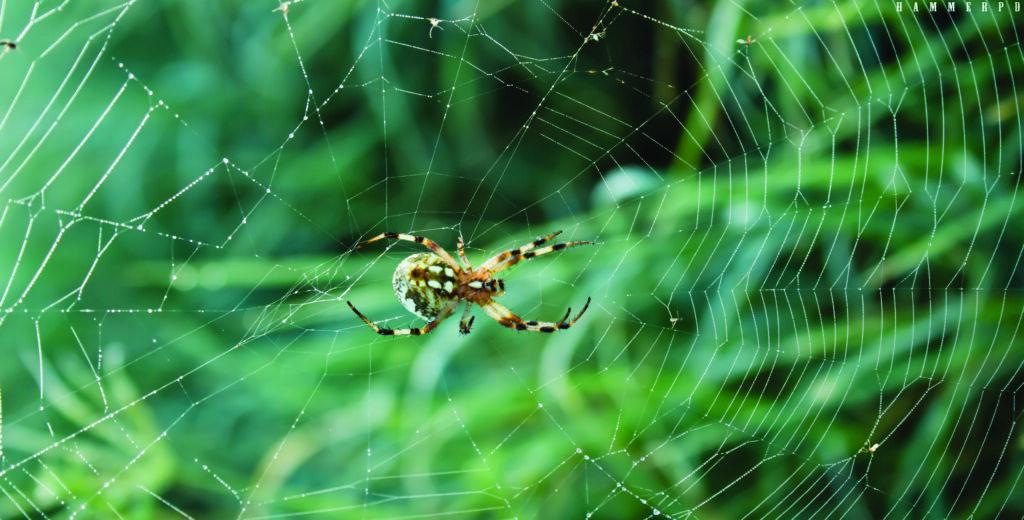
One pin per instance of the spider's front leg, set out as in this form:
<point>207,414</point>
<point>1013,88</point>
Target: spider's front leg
<point>463,324</point>
<point>505,317</point>
<point>501,257</point>
<point>503,261</point>
<point>462,255</point>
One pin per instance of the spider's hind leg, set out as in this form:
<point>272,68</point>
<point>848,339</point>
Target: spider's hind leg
<point>419,240</point>
<point>445,312</point>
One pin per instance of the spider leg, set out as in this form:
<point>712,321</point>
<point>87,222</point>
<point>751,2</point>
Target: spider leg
<point>462,255</point>
<point>463,324</point>
<point>519,257</point>
<point>419,240</point>
<point>445,312</point>
<point>494,260</point>
<point>505,317</point>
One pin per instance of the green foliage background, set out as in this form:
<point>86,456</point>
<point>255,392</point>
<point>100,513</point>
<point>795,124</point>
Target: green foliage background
<point>806,280</point>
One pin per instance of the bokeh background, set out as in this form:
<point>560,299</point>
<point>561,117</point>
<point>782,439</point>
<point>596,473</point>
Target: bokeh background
<point>806,281</point>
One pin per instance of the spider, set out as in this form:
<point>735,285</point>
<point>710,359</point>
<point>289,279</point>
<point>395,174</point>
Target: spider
<point>430,285</point>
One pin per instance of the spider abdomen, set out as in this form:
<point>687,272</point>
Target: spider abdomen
<point>424,284</point>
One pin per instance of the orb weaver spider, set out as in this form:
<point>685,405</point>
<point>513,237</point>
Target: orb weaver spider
<point>430,285</point>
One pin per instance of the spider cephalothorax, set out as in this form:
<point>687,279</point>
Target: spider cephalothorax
<point>430,285</point>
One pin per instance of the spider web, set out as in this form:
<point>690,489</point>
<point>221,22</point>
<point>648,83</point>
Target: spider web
<point>805,283</point>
